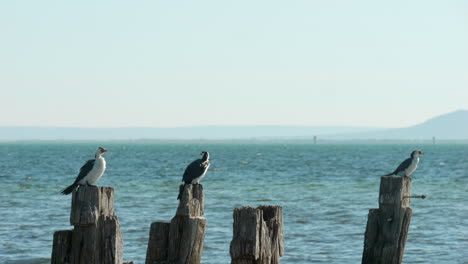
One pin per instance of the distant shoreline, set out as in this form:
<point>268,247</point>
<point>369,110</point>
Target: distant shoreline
<point>451,127</point>
<point>233,141</point>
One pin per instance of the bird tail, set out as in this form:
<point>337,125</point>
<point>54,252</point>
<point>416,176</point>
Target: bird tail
<point>181,190</point>
<point>69,189</point>
<point>390,174</point>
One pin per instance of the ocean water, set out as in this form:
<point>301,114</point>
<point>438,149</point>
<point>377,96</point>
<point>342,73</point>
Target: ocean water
<point>326,191</point>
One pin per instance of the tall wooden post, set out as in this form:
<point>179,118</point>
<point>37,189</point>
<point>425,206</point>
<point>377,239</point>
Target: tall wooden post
<point>180,241</point>
<point>96,237</point>
<point>387,227</point>
<point>257,235</point>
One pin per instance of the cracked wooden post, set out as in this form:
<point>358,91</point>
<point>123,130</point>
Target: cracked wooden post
<point>180,241</point>
<point>158,243</point>
<point>258,235</point>
<point>96,237</point>
<point>61,249</point>
<point>387,226</point>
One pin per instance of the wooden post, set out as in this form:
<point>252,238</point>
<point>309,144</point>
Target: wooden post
<point>96,237</point>
<point>180,241</point>
<point>61,249</point>
<point>158,243</point>
<point>387,227</point>
<point>257,235</point>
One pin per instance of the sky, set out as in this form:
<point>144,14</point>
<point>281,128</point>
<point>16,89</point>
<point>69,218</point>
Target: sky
<point>215,62</point>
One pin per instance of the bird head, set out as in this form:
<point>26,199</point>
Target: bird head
<point>205,155</point>
<point>101,151</point>
<point>416,153</point>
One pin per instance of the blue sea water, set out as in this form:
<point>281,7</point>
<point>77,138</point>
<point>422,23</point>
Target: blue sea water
<point>326,191</point>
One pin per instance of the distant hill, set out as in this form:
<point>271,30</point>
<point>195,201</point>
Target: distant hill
<point>451,126</point>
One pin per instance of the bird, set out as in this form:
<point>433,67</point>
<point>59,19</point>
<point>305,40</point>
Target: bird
<point>408,166</point>
<point>90,172</point>
<point>195,171</point>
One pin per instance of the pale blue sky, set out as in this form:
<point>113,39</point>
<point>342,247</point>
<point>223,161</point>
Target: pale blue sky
<point>188,63</point>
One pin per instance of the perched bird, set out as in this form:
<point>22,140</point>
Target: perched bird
<point>408,166</point>
<point>91,171</point>
<point>195,171</point>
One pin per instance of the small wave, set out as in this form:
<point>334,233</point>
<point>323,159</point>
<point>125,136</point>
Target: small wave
<point>261,200</point>
<point>29,261</point>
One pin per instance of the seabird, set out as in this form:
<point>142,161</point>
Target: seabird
<point>91,171</point>
<point>408,166</point>
<point>195,171</point>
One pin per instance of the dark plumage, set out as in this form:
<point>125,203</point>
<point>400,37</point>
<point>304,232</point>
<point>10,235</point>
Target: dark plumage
<point>408,166</point>
<point>90,172</point>
<point>405,164</point>
<point>85,169</point>
<point>195,171</point>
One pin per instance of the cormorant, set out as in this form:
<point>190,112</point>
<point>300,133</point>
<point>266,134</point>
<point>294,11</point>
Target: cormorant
<point>91,171</point>
<point>408,166</point>
<point>195,171</point>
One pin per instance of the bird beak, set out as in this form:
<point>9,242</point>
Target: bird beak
<point>422,153</point>
<point>104,150</point>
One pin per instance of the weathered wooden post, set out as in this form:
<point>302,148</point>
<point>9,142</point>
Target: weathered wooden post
<point>180,241</point>
<point>387,226</point>
<point>156,252</point>
<point>96,237</point>
<point>61,249</point>
<point>257,235</point>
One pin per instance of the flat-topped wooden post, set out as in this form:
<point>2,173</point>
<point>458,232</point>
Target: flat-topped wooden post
<point>180,241</point>
<point>258,236</point>
<point>387,226</point>
<point>96,237</point>
<point>61,249</point>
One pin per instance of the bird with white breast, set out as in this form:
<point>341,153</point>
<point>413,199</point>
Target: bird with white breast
<point>195,171</point>
<point>408,166</point>
<point>90,172</point>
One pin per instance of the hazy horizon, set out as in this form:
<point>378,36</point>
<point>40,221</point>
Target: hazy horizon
<point>233,125</point>
<point>450,126</point>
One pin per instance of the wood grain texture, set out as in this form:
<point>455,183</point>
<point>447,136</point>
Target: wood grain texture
<point>273,218</point>
<point>158,243</point>
<point>61,248</point>
<point>180,241</point>
<point>387,227</point>
<point>89,203</point>
<point>192,201</point>
<point>96,237</point>
<point>186,239</point>
<point>257,235</point>
<point>392,190</point>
